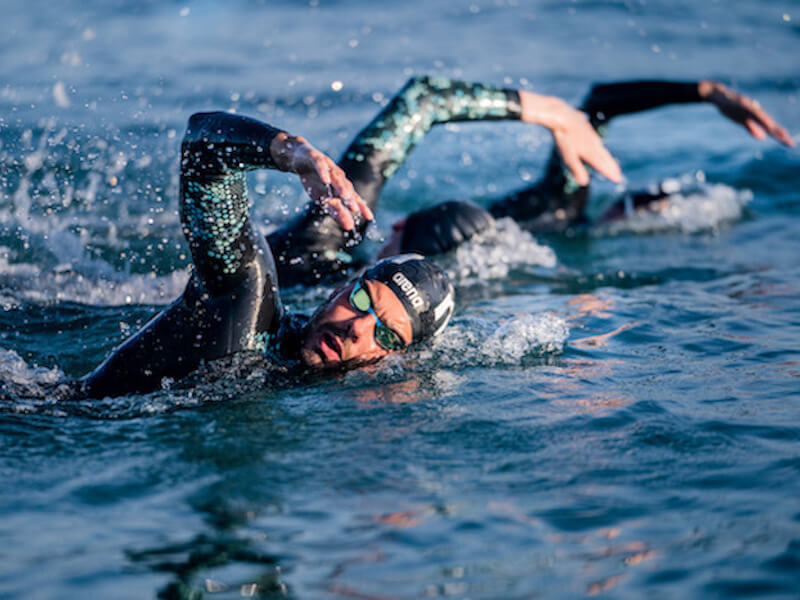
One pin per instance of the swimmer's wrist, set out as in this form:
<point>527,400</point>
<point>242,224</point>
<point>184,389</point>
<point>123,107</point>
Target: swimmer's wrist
<point>282,151</point>
<point>705,88</point>
<point>542,110</point>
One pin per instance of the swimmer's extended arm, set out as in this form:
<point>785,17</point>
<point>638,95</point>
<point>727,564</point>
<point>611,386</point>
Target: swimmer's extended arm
<point>380,148</point>
<point>609,100</point>
<point>558,199</point>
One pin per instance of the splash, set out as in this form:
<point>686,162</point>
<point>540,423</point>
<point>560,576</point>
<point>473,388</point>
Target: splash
<point>86,281</point>
<point>471,341</point>
<point>29,389</point>
<point>491,254</point>
<point>691,206</point>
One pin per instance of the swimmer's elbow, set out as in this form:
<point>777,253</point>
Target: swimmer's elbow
<point>200,126</point>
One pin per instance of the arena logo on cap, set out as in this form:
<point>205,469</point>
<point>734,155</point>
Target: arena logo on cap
<point>408,289</point>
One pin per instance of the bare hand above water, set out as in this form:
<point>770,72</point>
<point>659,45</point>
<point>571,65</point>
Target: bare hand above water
<point>574,136</point>
<point>324,181</point>
<point>743,110</point>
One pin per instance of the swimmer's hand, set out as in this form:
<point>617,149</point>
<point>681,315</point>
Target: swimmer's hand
<point>574,136</point>
<point>324,181</point>
<point>743,110</point>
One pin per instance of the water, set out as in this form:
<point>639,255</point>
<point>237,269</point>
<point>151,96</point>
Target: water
<point>611,414</point>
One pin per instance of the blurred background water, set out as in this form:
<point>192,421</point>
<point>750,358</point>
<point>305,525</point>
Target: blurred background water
<point>610,414</point>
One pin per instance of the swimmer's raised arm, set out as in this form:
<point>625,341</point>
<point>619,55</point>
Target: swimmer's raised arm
<point>379,149</point>
<point>609,100</point>
<point>217,150</point>
<point>573,135</point>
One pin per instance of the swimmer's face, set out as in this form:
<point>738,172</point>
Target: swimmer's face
<point>340,334</point>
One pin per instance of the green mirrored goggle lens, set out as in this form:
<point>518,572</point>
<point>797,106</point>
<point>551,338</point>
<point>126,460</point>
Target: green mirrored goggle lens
<point>387,338</point>
<point>361,300</point>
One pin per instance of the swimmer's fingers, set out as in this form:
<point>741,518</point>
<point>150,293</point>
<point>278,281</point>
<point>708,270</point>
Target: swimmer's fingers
<point>571,158</point>
<point>327,185</point>
<point>758,122</point>
<point>345,190</point>
<point>745,111</point>
<point>576,140</point>
<point>583,145</point>
<point>336,209</point>
<point>323,195</point>
<point>599,158</point>
<point>341,201</point>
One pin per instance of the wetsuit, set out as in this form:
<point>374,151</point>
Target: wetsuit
<point>231,301</point>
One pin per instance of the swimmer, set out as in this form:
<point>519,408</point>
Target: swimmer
<point>558,200</point>
<point>232,302</point>
<point>555,203</point>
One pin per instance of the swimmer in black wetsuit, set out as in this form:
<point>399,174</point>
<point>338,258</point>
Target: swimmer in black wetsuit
<point>555,203</point>
<point>232,303</point>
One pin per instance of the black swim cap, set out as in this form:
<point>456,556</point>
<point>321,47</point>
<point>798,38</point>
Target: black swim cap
<point>422,287</point>
<point>442,227</point>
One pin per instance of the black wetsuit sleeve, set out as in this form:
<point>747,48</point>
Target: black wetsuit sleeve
<point>312,245</point>
<point>608,100</point>
<point>556,201</point>
<point>231,302</point>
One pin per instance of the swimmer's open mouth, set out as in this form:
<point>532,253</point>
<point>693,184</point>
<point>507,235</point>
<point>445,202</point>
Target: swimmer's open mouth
<point>328,347</point>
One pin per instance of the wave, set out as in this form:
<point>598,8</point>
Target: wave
<point>690,206</point>
<point>493,253</point>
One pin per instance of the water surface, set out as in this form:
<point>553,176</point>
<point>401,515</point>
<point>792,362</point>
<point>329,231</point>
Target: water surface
<point>609,414</point>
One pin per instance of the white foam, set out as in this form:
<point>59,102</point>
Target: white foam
<point>691,207</point>
<point>29,390</point>
<point>87,282</point>
<point>491,254</point>
<point>478,342</point>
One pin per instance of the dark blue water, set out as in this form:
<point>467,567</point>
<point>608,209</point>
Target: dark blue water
<point>614,414</point>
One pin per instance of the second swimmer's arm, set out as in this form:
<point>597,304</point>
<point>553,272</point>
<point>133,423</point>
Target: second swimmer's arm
<point>383,145</point>
<point>380,148</point>
<point>609,100</point>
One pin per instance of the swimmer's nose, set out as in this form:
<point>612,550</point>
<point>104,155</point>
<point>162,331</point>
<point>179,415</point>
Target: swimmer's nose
<point>361,327</point>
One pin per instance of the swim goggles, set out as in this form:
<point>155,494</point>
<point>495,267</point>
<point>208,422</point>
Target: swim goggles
<point>386,337</point>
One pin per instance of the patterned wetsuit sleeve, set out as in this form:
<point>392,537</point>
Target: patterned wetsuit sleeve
<point>217,150</point>
<point>381,147</point>
<point>312,245</point>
